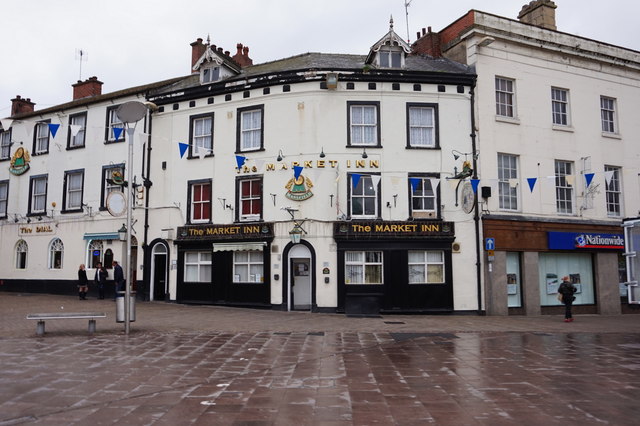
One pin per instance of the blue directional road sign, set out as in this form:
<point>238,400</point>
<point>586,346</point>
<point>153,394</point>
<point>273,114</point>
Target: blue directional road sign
<point>489,243</point>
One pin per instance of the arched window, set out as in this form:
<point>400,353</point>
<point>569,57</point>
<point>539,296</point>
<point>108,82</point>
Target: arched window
<point>21,254</point>
<point>56,251</point>
<point>94,253</point>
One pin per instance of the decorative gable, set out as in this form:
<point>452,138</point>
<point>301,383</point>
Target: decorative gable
<point>214,65</point>
<point>390,51</point>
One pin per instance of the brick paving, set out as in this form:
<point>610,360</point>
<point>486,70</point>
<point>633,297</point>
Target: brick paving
<point>206,365</point>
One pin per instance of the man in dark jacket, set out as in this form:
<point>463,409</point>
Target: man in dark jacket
<point>118,276</point>
<point>567,290</point>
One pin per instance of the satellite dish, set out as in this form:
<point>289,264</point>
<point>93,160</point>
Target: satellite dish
<point>131,112</point>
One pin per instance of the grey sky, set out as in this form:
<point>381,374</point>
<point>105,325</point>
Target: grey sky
<point>136,42</point>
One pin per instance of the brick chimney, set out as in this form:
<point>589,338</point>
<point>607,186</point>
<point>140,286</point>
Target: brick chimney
<point>20,106</point>
<point>84,89</point>
<point>242,56</point>
<point>541,13</point>
<point>197,50</point>
<point>428,43</point>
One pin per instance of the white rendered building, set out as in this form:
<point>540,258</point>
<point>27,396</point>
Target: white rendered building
<point>350,156</point>
<point>559,157</point>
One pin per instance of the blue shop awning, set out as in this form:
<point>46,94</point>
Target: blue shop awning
<point>101,236</point>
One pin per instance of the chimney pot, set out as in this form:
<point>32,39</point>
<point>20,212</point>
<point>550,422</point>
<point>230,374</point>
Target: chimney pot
<point>20,106</point>
<point>541,13</point>
<point>90,87</point>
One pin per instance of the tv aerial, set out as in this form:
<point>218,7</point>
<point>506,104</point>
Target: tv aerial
<point>81,56</point>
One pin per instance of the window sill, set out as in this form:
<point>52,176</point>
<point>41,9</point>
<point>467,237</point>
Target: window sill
<point>611,135</point>
<point>372,145</point>
<point>112,141</point>
<point>562,128</point>
<point>510,120</point>
<point>435,147</point>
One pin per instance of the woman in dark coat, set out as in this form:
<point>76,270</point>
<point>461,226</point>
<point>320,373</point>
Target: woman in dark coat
<point>567,290</point>
<point>83,283</point>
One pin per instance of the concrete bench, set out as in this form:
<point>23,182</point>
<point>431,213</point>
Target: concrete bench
<point>91,316</point>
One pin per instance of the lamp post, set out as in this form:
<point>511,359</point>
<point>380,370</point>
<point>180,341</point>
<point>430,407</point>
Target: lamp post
<point>129,113</point>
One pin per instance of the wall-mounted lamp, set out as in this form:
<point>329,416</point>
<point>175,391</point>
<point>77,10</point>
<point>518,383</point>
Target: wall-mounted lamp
<point>39,218</point>
<point>322,154</point>
<point>16,219</point>
<point>280,155</point>
<point>295,234</point>
<point>122,233</point>
<point>364,153</point>
<point>28,220</point>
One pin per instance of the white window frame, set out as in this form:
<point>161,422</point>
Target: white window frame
<point>79,139</point>
<point>422,126</point>
<point>74,186</point>
<point>564,190</point>
<point>357,262</point>
<point>427,262</point>
<point>608,116</point>
<point>560,107</point>
<point>56,249</point>
<point>251,122</point>
<point>5,145</point>
<point>364,193</point>
<point>613,192</point>
<point>362,130</point>
<point>42,138</point>
<point>22,254</point>
<point>508,195</point>
<point>202,134</point>
<point>251,199</point>
<point>201,262</point>
<point>389,57</point>
<point>505,97</point>
<point>254,261</point>
<point>200,205</point>
<point>38,194</point>
<point>422,197</point>
<point>4,198</point>
<point>210,74</point>
<point>93,245</point>
<point>114,121</point>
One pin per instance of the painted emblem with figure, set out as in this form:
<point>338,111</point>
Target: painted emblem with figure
<point>298,189</point>
<point>20,161</point>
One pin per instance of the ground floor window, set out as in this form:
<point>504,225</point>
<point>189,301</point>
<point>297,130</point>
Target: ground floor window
<point>248,266</point>
<point>56,249</point>
<point>577,266</point>
<point>21,254</point>
<point>363,267</point>
<point>197,266</point>
<point>426,267</point>
<point>514,286</point>
<point>94,253</point>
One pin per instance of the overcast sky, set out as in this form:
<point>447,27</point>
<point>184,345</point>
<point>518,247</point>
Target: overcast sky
<point>134,42</point>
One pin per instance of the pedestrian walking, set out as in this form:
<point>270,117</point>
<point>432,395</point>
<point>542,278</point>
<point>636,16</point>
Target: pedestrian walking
<point>83,283</point>
<point>567,291</point>
<point>101,279</point>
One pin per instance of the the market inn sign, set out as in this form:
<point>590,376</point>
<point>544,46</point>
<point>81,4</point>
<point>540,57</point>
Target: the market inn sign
<point>317,164</point>
<point>226,232</point>
<point>386,230</point>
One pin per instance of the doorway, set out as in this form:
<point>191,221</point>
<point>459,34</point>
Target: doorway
<point>158,288</point>
<point>300,285</point>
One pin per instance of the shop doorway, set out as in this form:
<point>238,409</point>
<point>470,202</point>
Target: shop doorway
<point>300,279</point>
<point>158,289</point>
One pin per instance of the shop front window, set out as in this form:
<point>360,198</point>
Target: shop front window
<point>577,266</point>
<point>363,267</point>
<point>197,266</point>
<point>248,266</point>
<point>426,267</point>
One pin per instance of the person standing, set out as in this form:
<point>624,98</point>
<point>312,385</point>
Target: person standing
<point>567,290</point>
<point>83,283</point>
<point>118,277</point>
<point>101,279</point>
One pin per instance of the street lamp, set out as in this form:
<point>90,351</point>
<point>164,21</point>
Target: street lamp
<point>129,113</point>
<point>122,233</point>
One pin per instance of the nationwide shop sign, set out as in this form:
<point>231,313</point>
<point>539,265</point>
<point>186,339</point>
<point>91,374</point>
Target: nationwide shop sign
<point>585,241</point>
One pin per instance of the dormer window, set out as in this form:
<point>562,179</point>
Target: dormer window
<point>210,74</point>
<point>389,57</point>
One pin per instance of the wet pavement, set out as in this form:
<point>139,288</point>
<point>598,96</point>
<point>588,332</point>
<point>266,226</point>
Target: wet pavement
<point>206,365</point>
